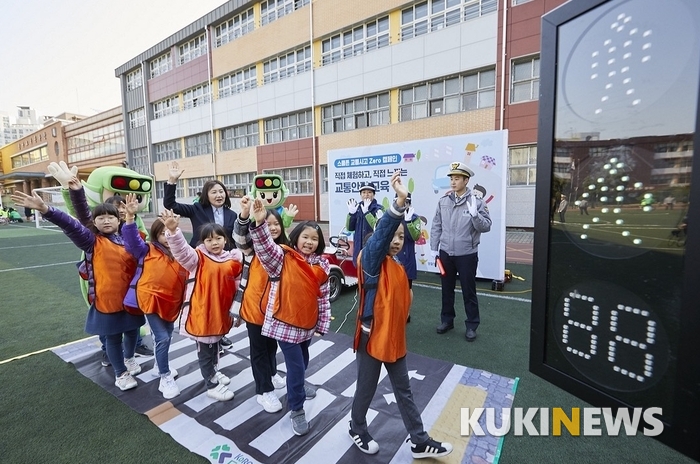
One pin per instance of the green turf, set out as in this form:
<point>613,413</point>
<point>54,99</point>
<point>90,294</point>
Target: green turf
<point>51,413</point>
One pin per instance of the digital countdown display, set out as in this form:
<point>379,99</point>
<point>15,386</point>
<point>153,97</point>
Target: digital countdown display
<point>616,275</point>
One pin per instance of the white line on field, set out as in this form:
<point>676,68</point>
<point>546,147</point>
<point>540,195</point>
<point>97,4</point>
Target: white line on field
<point>44,350</point>
<point>34,246</point>
<point>488,295</point>
<point>37,267</point>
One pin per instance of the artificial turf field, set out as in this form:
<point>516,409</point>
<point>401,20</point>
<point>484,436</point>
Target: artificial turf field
<point>51,413</point>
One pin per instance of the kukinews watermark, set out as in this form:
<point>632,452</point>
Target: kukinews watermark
<point>587,422</point>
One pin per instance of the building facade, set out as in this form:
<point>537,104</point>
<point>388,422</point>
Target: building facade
<point>271,86</point>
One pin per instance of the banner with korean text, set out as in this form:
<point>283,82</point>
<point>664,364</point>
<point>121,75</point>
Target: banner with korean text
<point>424,165</point>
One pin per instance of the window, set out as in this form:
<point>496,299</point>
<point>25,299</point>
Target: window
<point>355,41</point>
<point>289,127</point>
<point>170,150</point>
<point>356,114</point>
<point>139,161</point>
<point>245,135</point>
<point>449,95</point>
<point>236,27</point>
<point>195,185</point>
<point>433,15</point>
<point>238,181</point>
<point>324,178</point>
<point>137,118</point>
<point>287,65</point>
<point>179,190</point>
<point>520,2</point>
<point>196,96</point>
<point>271,10</point>
<point>199,144</point>
<point>525,80</point>
<point>299,181</point>
<point>34,156</point>
<point>192,49</point>
<point>165,107</point>
<point>161,65</point>
<point>238,82</point>
<point>96,143</point>
<point>522,165</point>
<point>134,80</point>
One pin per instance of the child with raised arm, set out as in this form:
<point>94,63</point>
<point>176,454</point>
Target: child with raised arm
<point>380,334</point>
<point>157,289</point>
<point>298,304</point>
<point>263,350</point>
<point>214,275</point>
<point>109,269</point>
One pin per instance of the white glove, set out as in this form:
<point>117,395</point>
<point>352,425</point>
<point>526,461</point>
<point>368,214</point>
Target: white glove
<point>434,254</point>
<point>379,214</point>
<point>408,214</point>
<point>471,205</point>
<point>365,206</point>
<point>61,173</point>
<point>352,206</point>
<point>292,211</point>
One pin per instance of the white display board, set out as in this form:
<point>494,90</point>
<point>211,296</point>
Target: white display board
<point>424,165</point>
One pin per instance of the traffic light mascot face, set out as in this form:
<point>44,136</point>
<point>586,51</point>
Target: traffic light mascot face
<point>107,181</point>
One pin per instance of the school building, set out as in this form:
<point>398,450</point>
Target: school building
<point>271,86</point>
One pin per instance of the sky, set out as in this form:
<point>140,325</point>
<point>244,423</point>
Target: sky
<point>60,55</point>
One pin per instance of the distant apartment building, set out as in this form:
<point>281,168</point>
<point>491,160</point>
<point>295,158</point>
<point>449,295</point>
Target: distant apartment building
<point>271,86</point>
<point>24,123</point>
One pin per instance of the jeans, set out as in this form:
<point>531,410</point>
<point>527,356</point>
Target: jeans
<point>296,356</point>
<point>118,351</point>
<point>162,334</point>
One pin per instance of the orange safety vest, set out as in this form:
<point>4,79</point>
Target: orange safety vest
<point>298,291</point>
<point>212,296</point>
<point>113,268</point>
<point>387,337</point>
<point>161,287</point>
<point>253,305</point>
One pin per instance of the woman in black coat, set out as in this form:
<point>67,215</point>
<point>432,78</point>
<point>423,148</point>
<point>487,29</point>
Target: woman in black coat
<point>214,205</point>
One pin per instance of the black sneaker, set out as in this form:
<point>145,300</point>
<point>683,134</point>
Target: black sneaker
<point>225,341</point>
<point>365,441</point>
<point>105,360</point>
<point>430,449</point>
<point>143,350</point>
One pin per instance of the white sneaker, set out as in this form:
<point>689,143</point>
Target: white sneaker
<point>125,381</point>
<point>168,386</point>
<point>132,366</point>
<point>278,382</point>
<point>220,378</point>
<point>269,402</point>
<point>220,393</point>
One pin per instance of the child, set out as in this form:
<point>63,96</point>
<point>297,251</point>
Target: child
<point>109,271</point>
<point>297,309</point>
<point>380,335</point>
<point>157,289</point>
<point>263,350</point>
<point>214,274</point>
<point>362,217</point>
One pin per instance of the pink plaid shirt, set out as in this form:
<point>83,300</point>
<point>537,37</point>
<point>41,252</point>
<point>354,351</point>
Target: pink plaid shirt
<point>271,257</point>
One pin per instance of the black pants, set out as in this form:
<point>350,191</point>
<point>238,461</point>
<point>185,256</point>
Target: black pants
<point>465,266</point>
<point>208,356</point>
<point>263,360</point>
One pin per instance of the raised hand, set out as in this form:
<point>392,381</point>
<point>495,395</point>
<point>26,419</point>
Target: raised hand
<point>62,173</point>
<point>408,214</point>
<point>245,207</point>
<point>399,188</point>
<point>292,211</point>
<point>471,206</point>
<point>259,211</point>
<point>170,219</point>
<point>33,201</point>
<point>174,172</point>
<point>364,206</point>
<point>74,183</point>
<point>352,206</point>
<point>132,205</point>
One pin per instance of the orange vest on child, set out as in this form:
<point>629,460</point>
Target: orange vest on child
<point>298,291</point>
<point>255,297</point>
<point>161,288</point>
<point>113,268</point>
<point>387,338</point>
<point>212,296</point>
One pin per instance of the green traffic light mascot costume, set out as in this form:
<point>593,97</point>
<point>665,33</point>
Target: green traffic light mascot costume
<point>271,190</point>
<point>103,183</point>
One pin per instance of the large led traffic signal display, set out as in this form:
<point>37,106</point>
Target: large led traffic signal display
<point>616,285</point>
